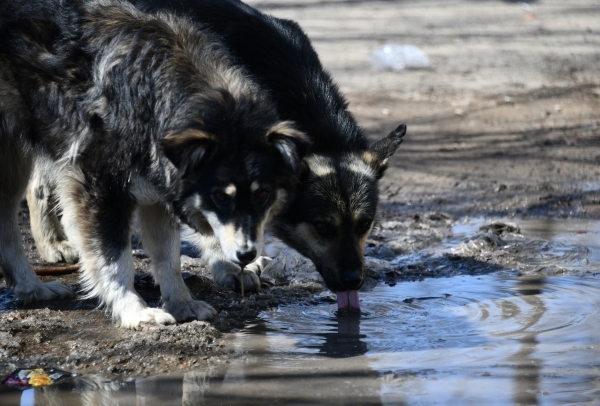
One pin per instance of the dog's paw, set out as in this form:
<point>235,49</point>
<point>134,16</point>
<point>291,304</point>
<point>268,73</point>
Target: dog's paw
<point>233,281</point>
<point>192,309</point>
<point>146,315</point>
<point>228,275</point>
<point>38,290</point>
<point>258,266</point>
<point>59,251</point>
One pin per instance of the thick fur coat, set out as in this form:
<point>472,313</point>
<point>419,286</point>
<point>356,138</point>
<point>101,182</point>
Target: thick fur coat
<point>335,207</point>
<point>136,114</point>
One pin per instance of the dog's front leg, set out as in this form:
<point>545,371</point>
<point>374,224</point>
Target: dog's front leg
<point>98,218</point>
<point>160,237</point>
<point>226,273</point>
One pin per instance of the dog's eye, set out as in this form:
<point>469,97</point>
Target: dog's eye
<point>363,226</point>
<point>262,193</point>
<point>220,197</point>
<point>321,227</point>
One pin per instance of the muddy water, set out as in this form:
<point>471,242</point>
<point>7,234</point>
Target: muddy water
<point>525,335</point>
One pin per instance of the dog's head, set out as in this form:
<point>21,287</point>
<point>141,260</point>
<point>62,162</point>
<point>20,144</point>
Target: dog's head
<point>334,211</point>
<point>237,170</point>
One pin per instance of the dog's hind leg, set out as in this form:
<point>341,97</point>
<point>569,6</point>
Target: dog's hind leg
<point>45,225</point>
<point>160,238</point>
<point>98,219</point>
<point>15,165</point>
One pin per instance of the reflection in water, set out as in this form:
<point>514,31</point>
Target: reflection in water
<point>187,390</point>
<point>527,368</point>
<point>346,341</point>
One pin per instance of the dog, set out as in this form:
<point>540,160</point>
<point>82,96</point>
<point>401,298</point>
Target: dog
<point>134,114</point>
<point>334,209</point>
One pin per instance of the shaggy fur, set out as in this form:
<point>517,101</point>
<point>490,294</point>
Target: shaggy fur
<point>335,207</point>
<point>133,113</point>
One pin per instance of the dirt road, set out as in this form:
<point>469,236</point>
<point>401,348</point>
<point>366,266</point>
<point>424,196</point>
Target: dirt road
<point>505,122</point>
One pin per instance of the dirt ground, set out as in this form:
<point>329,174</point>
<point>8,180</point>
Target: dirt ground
<point>505,123</point>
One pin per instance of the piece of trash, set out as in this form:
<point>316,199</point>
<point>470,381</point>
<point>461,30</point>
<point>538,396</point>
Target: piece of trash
<point>529,14</point>
<point>527,7</point>
<point>398,57</point>
<point>34,378</point>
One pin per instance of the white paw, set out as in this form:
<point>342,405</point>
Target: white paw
<point>32,292</point>
<point>193,309</point>
<point>146,315</point>
<point>259,265</point>
<point>60,251</point>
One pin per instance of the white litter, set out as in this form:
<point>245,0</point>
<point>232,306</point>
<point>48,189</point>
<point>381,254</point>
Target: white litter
<point>398,57</point>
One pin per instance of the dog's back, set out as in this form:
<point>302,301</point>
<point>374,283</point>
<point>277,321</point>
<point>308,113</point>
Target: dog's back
<point>281,58</point>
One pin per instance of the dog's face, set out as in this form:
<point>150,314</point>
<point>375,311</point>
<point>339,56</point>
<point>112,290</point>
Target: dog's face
<point>234,190</point>
<point>334,211</point>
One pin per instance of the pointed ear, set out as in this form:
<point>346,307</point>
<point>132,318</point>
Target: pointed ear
<point>188,150</point>
<point>380,151</point>
<point>291,144</point>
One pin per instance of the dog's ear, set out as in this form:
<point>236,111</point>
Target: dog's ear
<point>188,149</point>
<point>380,151</point>
<point>291,144</point>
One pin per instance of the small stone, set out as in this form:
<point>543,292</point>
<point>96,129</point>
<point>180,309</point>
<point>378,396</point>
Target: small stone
<point>385,253</point>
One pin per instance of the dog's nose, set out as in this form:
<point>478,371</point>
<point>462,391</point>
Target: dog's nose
<point>246,256</point>
<point>352,278</point>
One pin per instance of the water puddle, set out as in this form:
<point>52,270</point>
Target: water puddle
<point>558,235</point>
<point>499,338</point>
<point>508,337</point>
<point>567,233</point>
<point>571,245</point>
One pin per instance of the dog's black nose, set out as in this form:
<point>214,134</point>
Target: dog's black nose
<point>246,256</point>
<point>351,279</point>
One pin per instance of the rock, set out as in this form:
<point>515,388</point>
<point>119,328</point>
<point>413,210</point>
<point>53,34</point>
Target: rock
<point>289,267</point>
<point>377,268</point>
<point>380,252</point>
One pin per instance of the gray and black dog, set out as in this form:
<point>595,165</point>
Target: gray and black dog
<point>334,208</point>
<point>134,114</point>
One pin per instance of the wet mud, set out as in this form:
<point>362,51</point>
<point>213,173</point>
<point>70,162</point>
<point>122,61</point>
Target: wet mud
<point>482,270</point>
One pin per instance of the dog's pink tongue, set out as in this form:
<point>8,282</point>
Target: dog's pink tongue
<point>348,300</point>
